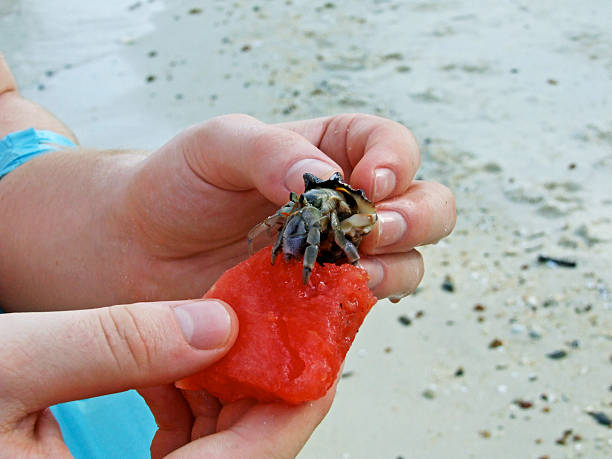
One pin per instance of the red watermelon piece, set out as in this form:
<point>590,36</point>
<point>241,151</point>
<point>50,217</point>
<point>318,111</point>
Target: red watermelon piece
<point>293,337</point>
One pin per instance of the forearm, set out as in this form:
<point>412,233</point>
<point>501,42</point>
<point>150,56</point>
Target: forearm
<point>60,244</point>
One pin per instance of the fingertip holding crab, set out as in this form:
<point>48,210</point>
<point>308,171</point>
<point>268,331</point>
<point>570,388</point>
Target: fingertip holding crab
<point>294,179</point>
<point>384,184</point>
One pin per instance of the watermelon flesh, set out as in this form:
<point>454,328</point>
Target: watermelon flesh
<point>292,337</point>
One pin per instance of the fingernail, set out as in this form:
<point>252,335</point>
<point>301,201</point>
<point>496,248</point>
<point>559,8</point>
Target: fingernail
<point>384,183</point>
<point>294,180</point>
<point>205,324</point>
<point>375,271</point>
<point>392,227</point>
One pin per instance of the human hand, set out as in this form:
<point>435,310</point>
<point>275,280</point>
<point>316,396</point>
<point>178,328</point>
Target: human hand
<point>91,229</point>
<point>189,206</point>
<point>53,357</point>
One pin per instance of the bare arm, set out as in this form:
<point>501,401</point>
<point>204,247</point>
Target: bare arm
<point>54,211</point>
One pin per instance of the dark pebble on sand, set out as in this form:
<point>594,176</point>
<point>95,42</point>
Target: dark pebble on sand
<point>428,394</point>
<point>404,320</point>
<point>564,437</point>
<point>523,404</point>
<point>556,355</point>
<point>556,261</point>
<point>448,285</point>
<point>534,334</point>
<point>583,309</point>
<point>290,109</point>
<point>459,372</point>
<point>495,343</point>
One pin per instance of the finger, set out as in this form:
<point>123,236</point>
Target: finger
<point>233,412</point>
<point>266,430</point>
<point>239,153</point>
<point>54,357</point>
<point>205,409</point>
<point>394,275</point>
<point>380,155</point>
<point>423,215</point>
<point>172,416</point>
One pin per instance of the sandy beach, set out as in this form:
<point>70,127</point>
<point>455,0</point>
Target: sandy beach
<point>505,350</point>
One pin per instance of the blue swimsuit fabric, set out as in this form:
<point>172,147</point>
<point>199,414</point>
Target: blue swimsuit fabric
<point>20,147</point>
<point>111,426</point>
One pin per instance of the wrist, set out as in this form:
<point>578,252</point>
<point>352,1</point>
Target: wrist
<point>61,238</point>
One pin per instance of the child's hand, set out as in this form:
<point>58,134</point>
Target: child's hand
<point>190,205</point>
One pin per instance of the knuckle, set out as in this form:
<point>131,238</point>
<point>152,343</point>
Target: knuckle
<point>238,118</point>
<point>231,119</point>
<point>221,124</point>
<point>124,339</point>
<point>271,139</point>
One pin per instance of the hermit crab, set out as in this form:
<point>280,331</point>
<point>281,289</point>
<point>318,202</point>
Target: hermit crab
<point>324,224</point>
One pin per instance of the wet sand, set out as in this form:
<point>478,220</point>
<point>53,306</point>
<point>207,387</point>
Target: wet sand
<point>501,352</point>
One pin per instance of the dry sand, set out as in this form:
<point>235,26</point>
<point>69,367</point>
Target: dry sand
<point>497,354</point>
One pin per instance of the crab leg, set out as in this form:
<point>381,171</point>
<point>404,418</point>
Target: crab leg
<point>269,223</point>
<point>347,246</point>
<point>312,250</point>
<point>278,245</point>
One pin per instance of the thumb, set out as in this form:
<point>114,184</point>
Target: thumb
<point>239,153</point>
<point>54,357</point>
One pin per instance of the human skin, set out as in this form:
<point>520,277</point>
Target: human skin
<point>87,229</point>
<point>53,357</point>
<point>90,228</point>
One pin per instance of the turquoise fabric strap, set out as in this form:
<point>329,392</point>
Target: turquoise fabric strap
<point>20,147</point>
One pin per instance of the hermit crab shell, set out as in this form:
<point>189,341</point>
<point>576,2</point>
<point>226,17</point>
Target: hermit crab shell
<point>335,182</point>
